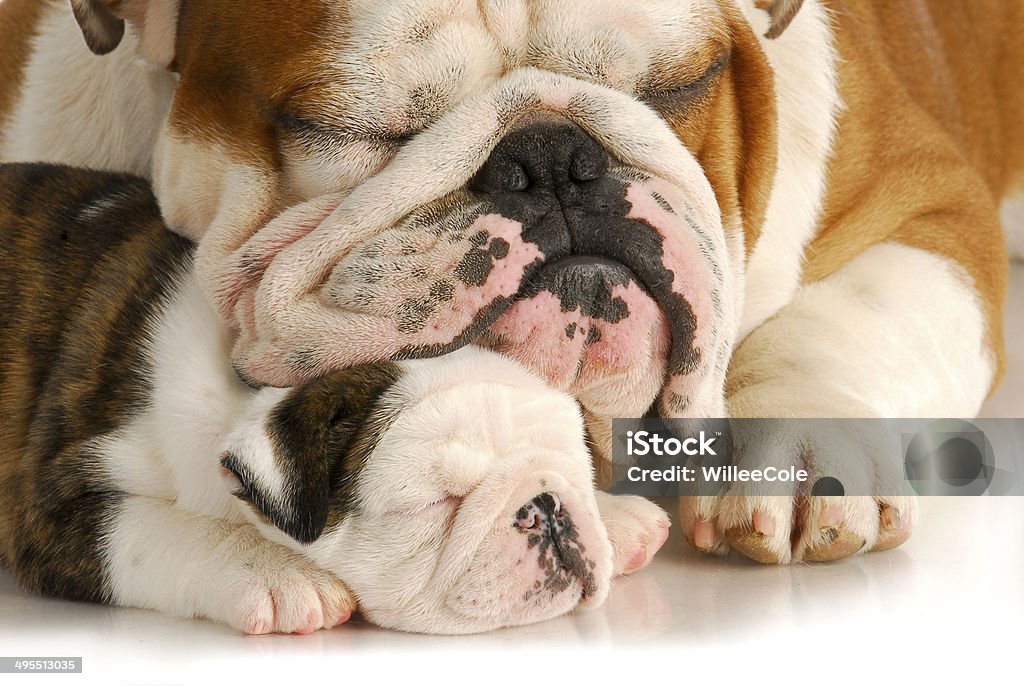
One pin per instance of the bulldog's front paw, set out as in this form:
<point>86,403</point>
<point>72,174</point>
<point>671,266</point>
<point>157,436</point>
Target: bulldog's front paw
<point>809,521</point>
<point>778,530</point>
<point>270,589</point>
<point>637,528</point>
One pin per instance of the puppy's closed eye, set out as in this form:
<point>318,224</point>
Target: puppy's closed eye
<point>246,487</point>
<point>234,474</point>
<point>446,506</point>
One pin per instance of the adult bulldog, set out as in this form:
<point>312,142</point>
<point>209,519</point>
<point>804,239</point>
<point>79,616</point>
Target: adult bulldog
<point>632,198</point>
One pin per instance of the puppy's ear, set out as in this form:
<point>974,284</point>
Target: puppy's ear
<point>299,467</point>
<point>103,25</point>
<point>782,13</point>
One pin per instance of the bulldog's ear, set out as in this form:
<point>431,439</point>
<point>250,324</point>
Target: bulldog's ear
<point>298,463</point>
<point>103,25</point>
<point>782,13</point>
<point>103,30</point>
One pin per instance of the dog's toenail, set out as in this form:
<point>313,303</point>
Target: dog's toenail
<point>704,535</point>
<point>764,523</point>
<point>890,518</point>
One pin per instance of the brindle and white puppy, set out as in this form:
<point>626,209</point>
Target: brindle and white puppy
<point>627,195</point>
<point>450,495</point>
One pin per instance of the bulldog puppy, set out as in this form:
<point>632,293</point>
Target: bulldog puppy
<point>683,207</point>
<point>449,495</point>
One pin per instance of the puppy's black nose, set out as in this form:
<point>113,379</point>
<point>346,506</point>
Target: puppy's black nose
<point>546,157</point>
<point>542,516</point>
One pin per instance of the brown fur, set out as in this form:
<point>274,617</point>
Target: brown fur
<point>932,137</point>
<point>736,139</point>
<point>75,295</point>
<point>224,80</point>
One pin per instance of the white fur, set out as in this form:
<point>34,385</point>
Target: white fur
<point>83,110</point>
<point>158,31</point>
<point>897,332</point>
<point>98,208</point>
<point>197,399</point>
<point>182,169</point>
<point>161,557</point>
<point>807,98</point>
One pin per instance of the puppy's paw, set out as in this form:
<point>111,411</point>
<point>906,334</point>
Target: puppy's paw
<point>637,528</point>
<point>269,589</point>
<point>794,522</point>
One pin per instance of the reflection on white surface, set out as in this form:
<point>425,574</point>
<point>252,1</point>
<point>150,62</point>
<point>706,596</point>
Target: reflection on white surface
<point>964,567</point>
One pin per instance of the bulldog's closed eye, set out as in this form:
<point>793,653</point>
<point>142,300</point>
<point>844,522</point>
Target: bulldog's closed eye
<point>665,98</point>
<point>325,135</point>
<point>300,524</point>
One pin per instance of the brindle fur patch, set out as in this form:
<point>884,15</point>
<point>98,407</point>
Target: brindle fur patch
<point>80,275</point>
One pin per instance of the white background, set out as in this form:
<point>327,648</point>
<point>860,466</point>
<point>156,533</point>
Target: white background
<point>951,600</point>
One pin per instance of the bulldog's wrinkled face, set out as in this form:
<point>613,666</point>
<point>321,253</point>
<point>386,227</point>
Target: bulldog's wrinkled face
<point>573,180</point>
<point>451,495</point>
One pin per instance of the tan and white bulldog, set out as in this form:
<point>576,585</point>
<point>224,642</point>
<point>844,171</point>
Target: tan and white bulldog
<point>691,207</point>
<point>448,495</point>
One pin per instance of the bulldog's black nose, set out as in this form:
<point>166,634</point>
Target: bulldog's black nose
<point>546,157</point>
<point>563,188</point>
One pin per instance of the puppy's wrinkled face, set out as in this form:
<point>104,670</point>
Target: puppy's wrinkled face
<point>451,495</point>
<point>577,179</point>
